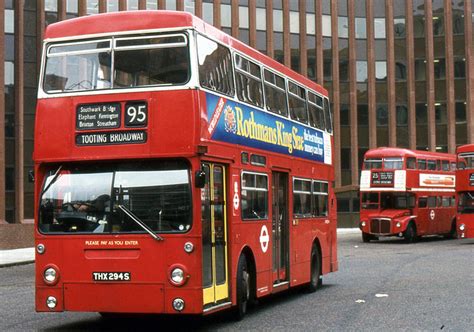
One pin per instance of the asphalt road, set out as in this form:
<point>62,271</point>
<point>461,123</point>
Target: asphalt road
<point>428,285</point>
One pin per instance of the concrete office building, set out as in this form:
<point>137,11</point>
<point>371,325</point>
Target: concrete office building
<point>399,73</point>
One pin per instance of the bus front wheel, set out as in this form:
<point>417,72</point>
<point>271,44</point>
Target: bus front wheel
<point>366,237</point>
<point>243,287</point>
<point>315,280</point>
<point>410,233</point>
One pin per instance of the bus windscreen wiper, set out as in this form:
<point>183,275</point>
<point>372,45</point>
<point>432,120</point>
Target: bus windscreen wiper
<point>55,177</point>
<point>139,222</point>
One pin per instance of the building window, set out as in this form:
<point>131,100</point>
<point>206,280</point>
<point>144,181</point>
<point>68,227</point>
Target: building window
<point>326,23</point>
<point>379,28</point>
<point>343,27</point>
<point>361,71</point>
<point>360,28</point>
<point>380,70</point>
<point>402,115</point>
<point>459,68</point>
<point>382,115</point>
<point>399,27</point>
<point>400,71</point>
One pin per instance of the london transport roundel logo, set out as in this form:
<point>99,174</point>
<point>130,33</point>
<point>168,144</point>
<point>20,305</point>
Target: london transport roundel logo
<point>264,238</point>
<point>432,214</point>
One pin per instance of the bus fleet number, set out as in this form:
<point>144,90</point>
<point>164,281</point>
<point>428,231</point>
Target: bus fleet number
<point>136,114</point>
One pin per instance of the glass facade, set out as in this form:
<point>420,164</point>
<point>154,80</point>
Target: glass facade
<point>416,44</point>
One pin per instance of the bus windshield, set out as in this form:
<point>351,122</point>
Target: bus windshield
<point>116,63</point>
<point>88,199</point>
<point>370,201</point>
<point>466,202</point>
<point>466,161</point>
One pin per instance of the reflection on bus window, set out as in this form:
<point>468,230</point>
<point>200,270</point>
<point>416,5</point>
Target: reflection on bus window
<point>88,200</point>
<point>254,196</point>
<point>215,66</point>
<point>466,202</point>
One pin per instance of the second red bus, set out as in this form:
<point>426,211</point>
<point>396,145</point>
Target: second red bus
<point>407,193</point>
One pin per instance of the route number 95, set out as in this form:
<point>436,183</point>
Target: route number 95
<point>136,114</point>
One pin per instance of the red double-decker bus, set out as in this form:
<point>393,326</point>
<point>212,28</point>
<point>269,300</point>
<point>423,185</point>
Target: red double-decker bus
<point>177,170</point>
<point>465,191</point>
<point>407,193</point>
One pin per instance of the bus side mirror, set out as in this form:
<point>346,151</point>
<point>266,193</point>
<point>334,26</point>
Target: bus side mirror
<point>200,179</point>
<point>31,176</point>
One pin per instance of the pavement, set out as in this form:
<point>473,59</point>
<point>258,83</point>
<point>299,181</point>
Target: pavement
<point>27,255</point>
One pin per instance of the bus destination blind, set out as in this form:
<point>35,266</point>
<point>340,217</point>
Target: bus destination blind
<point>98,116</point>
<point>114,137</point>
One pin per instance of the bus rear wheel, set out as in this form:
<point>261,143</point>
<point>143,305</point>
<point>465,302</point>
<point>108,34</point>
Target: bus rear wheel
<point>410,234</point>
<point>315,280</point>
<point>243,287</point>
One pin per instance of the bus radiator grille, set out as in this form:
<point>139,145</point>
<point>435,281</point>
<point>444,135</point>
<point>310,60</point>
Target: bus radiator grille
<point>380,226</point>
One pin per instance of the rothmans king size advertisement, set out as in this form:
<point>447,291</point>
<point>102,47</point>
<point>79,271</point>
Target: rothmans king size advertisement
<point>241,124</point>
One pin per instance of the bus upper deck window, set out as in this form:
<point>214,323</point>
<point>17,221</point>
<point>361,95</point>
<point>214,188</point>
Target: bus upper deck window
<point>78,66</point>
<point>411,163</point>
<point>422,164</point>
<point>393,163</point>
<point>328,115</point>
<point>151,60</point>
<point>275,93</point>
<point>373,164</point>
<point>431,165</point>
<point>215,66</point>
<point>297,102</point>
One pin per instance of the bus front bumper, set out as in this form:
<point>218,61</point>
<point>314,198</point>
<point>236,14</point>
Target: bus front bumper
<point>117,298</point>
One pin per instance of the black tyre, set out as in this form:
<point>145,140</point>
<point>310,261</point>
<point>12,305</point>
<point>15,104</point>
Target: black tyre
<point>410,234</point>
<point>452,233</point>
<point>315,280</point>
<point>366,237</point>
<point>243,287</point>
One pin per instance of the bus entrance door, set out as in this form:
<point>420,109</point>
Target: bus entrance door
<point>214,236</point>
<point>280,227</point>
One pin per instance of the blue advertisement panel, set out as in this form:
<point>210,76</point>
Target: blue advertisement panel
<point>237,123</point>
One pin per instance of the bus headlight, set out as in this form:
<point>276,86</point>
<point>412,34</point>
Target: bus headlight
<point>462,227</point>
<point>178,304</point>
<point>50,275</point>
<point>398,225</point>
<point>363,224</point>
<point>51,302</point>
<point>178,275</point>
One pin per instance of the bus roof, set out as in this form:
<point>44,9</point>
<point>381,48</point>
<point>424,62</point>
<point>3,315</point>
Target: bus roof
<point>465,148</point>
<point>142,20</point>
<point>400,152</point>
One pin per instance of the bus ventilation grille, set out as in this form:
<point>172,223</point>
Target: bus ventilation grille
<point>380,226</point>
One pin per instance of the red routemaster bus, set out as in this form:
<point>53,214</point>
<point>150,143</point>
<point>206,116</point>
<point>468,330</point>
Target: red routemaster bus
<point>407,193</point>
<point>178,170</point>
<point>465,191</point>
